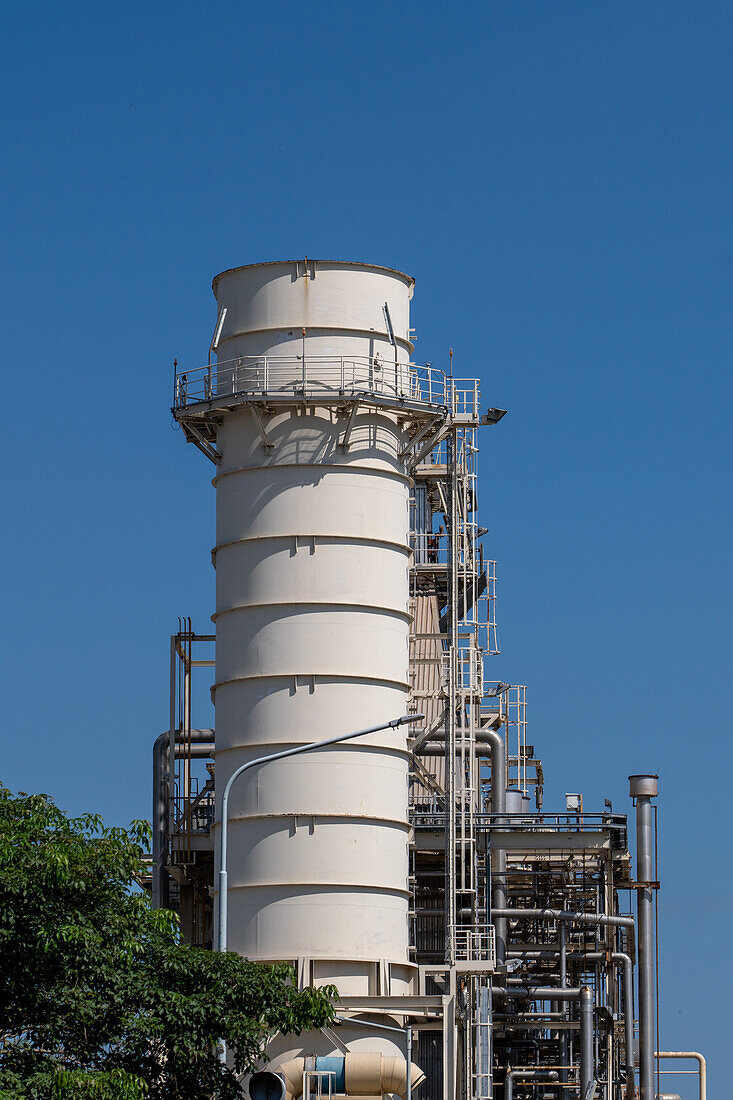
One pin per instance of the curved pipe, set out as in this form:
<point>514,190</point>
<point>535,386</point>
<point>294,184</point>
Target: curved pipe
<point>645,914</point>
<point>526,1075</point>
<point>702,1076</point>
<point>296,750</point>
<point>498,862</point>
<point>200,745</point>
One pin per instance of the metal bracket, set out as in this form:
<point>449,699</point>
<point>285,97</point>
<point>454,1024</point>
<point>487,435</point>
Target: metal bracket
<point>333,1038</point>
<point>426,778</point>
<point>266,441</point>
<point>344,441</point>
<point>309,269</point>
<point>432,442</point>
<point>203,445</point>
<point>428,732</point>
<point>427,427</point>
<point>443,501</point>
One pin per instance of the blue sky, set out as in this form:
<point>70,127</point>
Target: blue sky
<point>557,177</point>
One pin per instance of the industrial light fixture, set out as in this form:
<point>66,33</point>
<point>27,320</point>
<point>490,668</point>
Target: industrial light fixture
<point>493,416</point>
<point>499,689</point>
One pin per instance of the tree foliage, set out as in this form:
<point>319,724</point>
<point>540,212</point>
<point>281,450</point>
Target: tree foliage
<point>98,998</point>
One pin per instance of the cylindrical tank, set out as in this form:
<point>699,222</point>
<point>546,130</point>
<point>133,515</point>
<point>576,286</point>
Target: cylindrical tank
<point>517,802</point>
<point>312,630</point>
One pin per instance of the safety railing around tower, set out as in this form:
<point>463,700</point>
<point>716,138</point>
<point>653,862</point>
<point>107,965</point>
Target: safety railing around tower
<point>327,375</point>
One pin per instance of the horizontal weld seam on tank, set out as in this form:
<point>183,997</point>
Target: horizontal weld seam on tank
<point>314,330</point>
<point>364,746</point>
<point>409,279</point>
<point>350,958</point>
<point>342,467</point>
<point>340,677</point>
<point>329,606</point>
<point>311,815</point>
<point>328,884</point>
<point>350,540</point>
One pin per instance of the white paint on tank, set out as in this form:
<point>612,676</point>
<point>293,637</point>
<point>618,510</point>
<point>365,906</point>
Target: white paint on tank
<point>312,638</point>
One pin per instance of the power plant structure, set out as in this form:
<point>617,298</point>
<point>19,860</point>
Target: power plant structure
<point>482,948</point>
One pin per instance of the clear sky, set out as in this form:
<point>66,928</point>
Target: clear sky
<point>557,177</point>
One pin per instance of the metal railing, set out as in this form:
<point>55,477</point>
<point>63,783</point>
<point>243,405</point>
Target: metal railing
<point>283,375</point>
<point>318,1084</point>
<point>475,945</point>
<point>195,814</point>
<point>434,818</point>
<point>554,823</point>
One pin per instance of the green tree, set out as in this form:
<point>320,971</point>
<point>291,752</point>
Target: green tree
<point>98,998</point>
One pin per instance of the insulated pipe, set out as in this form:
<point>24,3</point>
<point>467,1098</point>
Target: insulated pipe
<point>642,789</point>
<point>498,876</point>
<point>701,1067</point>
<point>526,1075</point>
<point>160,891</point>
<point>364,1075</point>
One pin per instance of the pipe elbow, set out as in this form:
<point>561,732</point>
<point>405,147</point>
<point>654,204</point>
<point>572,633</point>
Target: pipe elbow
<point>394,1076</point>
<point>292,1074</point>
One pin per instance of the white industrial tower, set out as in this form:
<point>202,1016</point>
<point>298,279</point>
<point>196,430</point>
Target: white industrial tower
<point>468,933</point>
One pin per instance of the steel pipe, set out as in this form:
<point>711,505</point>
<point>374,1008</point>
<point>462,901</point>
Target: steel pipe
<point>587,1069</point>
<point>643,788</point>
<point>498,852</point>
<point>161,766</point>
<point>602,919</point>
<point>526,1075</point>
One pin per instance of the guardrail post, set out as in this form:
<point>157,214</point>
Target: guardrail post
<point>304,370</point>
